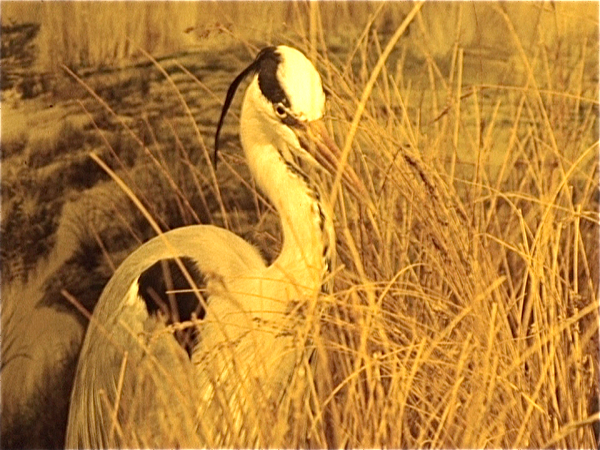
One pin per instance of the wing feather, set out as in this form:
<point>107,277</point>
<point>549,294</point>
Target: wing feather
<point>131,368</point>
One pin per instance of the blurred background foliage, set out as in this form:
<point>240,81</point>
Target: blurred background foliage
<point>94,34</point>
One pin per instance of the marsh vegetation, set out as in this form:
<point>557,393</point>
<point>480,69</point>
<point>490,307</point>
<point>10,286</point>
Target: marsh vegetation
<point>465,308</point>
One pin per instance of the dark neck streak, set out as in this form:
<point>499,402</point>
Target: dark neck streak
<point>314,214</point>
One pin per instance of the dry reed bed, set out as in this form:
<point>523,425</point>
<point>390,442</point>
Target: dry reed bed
<point>467,320</point>
<point>465,310</point>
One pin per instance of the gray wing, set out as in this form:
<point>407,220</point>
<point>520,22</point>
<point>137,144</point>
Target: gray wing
<point>134,384</point>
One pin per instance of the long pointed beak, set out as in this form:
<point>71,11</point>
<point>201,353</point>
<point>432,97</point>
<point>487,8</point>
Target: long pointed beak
<point>315,139</point>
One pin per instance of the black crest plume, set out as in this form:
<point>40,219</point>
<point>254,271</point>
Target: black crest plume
<point>267,59</point>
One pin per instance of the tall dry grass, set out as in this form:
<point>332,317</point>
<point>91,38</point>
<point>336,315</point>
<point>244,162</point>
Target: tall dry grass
<point>467,313</point>
<point>465,309</point>
<point>93,34</point>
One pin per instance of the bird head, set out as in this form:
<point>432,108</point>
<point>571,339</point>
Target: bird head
<point>282,112</point>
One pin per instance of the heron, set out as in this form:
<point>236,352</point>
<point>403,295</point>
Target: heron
<point>145,379</point>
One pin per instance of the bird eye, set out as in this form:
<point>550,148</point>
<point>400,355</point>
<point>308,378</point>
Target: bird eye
<point>280,110</point>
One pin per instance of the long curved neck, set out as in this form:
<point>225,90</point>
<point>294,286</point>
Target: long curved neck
<point>304,258</point>
<point>303,222</point>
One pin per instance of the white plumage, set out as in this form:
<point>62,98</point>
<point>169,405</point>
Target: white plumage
<point>135,383</point>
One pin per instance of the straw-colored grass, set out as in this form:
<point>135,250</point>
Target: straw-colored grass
<point>467,311</point>
<point>465,308</point>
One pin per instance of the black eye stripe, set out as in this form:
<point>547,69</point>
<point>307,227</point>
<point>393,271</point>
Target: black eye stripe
<point>265,65</point>
<point>267,76</point>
